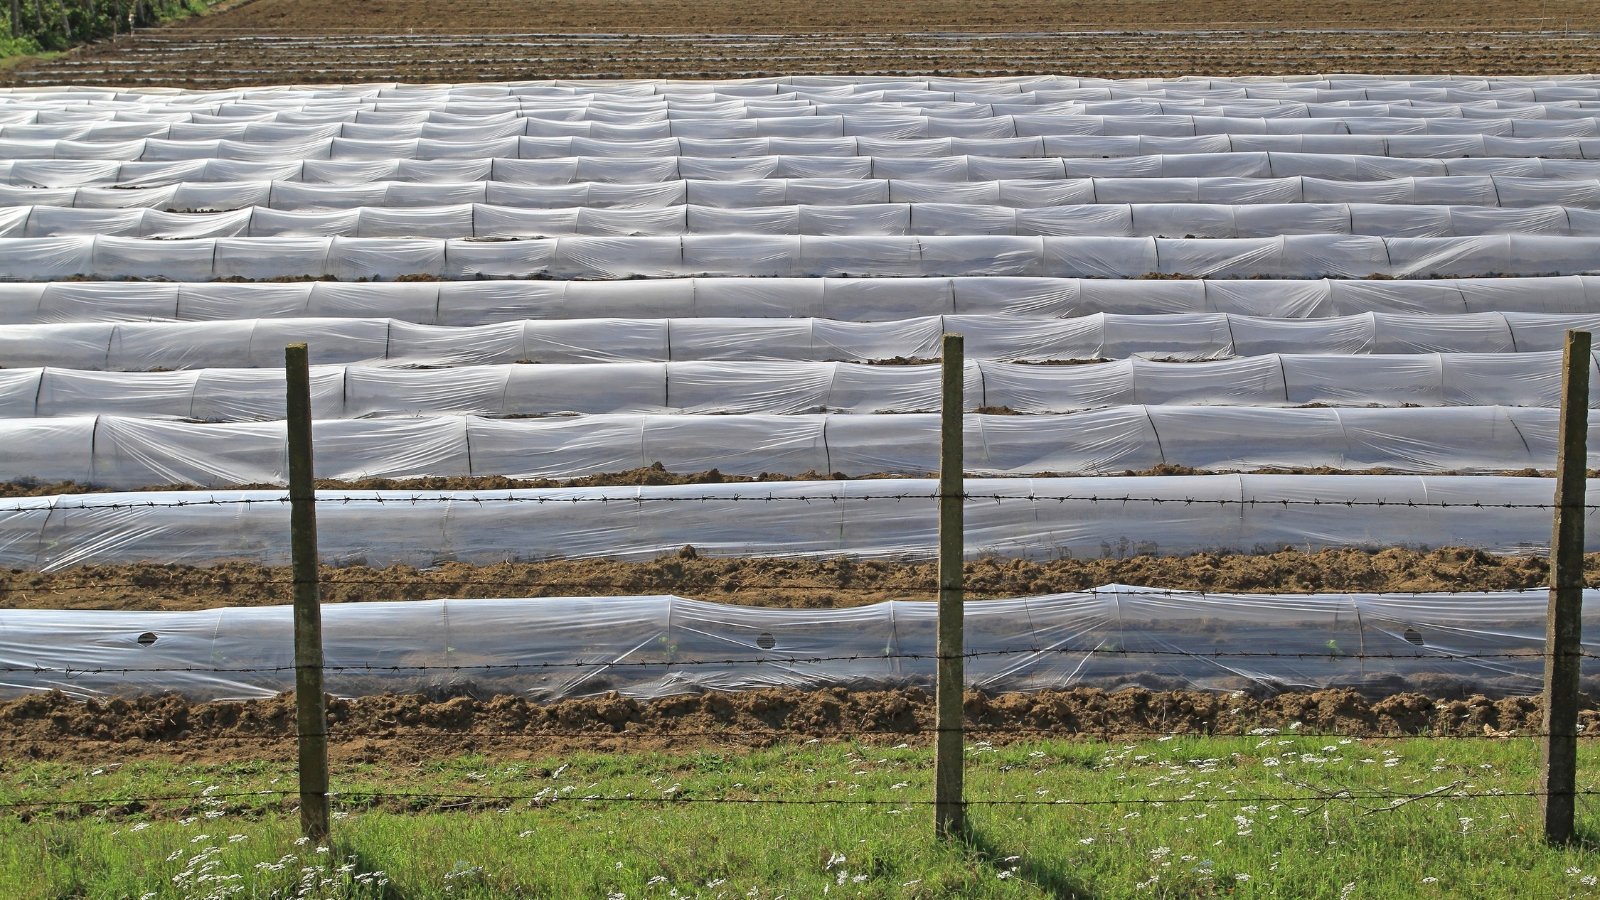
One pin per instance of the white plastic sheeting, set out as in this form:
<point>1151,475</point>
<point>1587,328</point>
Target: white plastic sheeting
<point>480,220</point>
<point>353,258</point>
<point>646,647</point>
<point>885,518</point>
<point>746,386</point>
<point>841,299</point>
<point>1059,148</point>
<point>695,248</point>
<point>632,178</point>
<point>559,125</point>
<point>128,453</point>
<point>1488,191</point>
<point>141,346</point>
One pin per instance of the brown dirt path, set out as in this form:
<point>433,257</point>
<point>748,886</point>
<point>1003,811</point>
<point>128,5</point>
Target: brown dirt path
<point>774,582</point>
<point>408,729</point>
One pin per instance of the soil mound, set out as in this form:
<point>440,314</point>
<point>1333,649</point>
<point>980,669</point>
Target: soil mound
<point>409,728</point>
<point>778,582</point>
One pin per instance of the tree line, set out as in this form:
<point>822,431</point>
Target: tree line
<point>33,26</point>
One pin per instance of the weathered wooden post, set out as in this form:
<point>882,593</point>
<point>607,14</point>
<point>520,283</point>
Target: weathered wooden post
<point>1564,620</point>
<point>311,714</point>
<point>949,810</point>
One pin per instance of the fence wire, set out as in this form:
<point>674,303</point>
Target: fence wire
<point>21,506</point>
<point>548,799</point>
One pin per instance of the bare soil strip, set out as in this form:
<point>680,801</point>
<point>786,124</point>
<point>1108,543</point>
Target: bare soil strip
<point>305,42</point>
<point>712,16</point>
<point>777,582</point>
<point>203,59</point>
<point>410,729</point>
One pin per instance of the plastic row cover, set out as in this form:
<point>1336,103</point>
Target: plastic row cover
<point>1194,220</point>
<point>1132,139</point>
<point>123,453</point>
<point>1348,87</point>
<point>746,386</point>
<point>907,121</point>
<point>289,195</point>
<point>1294,256</point>
<point>876,518</point>
<point>141,346</point>
<point>841,299</point>
<point>669,645</point>
<point>1114,108</point>
<point>707,100</point>
<point>1121,160</point>
<point>1299,96</point>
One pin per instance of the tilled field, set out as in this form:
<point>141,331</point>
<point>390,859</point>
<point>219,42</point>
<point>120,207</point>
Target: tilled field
<point>410,729</point>
<point>214,58</point>
<point>293,41</point>
<point>280,41</point>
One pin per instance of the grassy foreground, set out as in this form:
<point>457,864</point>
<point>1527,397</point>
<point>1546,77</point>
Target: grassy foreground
<point>1265,816</point>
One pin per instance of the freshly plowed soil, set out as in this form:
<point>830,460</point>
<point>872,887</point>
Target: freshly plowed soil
<point>806,583</point>
<point>701,16</point>
<point>405,729</point>
<point>305,42</point>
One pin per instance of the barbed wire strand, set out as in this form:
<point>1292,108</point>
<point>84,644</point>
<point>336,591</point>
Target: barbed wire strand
<point>551,798</point>
<point>424,578</point>
<point>740,733</point>
<point>14,506</point>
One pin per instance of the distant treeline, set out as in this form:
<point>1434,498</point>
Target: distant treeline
<point>32,26</point>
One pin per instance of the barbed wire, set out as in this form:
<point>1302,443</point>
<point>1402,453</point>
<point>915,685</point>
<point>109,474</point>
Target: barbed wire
<point>388,731</point>
<point>551,798</point>
<point>15,507</point>
<point>426,578</point>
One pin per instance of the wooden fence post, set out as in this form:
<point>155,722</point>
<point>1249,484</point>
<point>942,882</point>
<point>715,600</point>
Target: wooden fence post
<point>1558,772</point>
<point>949,810</point>
<point>311,714</point>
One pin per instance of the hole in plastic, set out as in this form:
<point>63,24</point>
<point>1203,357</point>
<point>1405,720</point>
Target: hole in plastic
<point>1414,636</point>
<point>766,641</point>
<point>148,638</point>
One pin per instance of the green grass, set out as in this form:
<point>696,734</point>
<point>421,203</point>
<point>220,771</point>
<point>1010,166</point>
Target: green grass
<point>1302,843</point>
